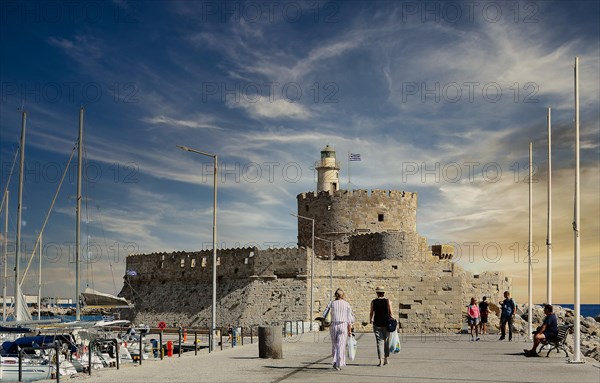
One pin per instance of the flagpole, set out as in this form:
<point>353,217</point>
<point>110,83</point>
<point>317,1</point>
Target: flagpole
<point>576,229</point>
<point>549,228</point>
<point>529,245</point>
<point>348,159</point>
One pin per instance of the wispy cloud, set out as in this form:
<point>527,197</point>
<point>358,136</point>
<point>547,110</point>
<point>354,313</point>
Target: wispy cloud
<point>164,120</point>
<point>263,107</point>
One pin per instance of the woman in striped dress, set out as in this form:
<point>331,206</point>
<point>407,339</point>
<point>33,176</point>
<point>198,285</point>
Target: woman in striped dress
<point>342,319</point>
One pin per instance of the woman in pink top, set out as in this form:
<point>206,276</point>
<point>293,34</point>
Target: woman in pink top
<point>473,318</point>
<point>342,319</point>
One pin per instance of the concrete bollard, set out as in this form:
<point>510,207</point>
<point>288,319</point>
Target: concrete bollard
<point>270,344</point>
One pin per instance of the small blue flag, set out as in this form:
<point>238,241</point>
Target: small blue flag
<point>353,157</point>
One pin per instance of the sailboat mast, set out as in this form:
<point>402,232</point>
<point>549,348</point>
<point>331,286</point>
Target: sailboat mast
<point>19,209</point>
<point>5,284</point>
<point>78,219</point>
<point>40,281</point>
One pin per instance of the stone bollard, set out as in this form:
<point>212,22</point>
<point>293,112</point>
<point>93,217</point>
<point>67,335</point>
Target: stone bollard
<point>270,342</point>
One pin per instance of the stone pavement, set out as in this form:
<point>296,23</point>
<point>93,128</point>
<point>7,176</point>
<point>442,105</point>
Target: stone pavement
<point>427,358</point>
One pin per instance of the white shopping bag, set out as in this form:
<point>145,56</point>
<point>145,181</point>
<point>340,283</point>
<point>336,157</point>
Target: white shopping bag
<point>351,346</point>
<point>394,342</point>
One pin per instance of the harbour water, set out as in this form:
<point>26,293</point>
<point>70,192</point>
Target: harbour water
<point>587,310</point>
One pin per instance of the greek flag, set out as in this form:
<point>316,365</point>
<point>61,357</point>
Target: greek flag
<point>131,273</point>
<point>353,157</point>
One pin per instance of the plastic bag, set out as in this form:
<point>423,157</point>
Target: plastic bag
<point>351,346</point>
<point>394,342</point>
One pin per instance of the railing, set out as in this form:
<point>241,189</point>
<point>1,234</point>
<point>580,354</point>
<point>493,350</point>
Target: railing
<point>99,341</point>
<point>326,162</point>
<point>56,347</point>
<point>299,327</point>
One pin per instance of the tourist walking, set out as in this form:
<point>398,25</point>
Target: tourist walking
<point>381,311</point>
<point>342,319</point>
<point>507,316</point>
<point>473,318</point>
<point>483,312</point>
<point>548,331</point>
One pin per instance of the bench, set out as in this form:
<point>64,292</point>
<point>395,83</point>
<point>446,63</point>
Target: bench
<point>559,342</point>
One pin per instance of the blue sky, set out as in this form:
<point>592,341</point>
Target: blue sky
<point>440,98</point>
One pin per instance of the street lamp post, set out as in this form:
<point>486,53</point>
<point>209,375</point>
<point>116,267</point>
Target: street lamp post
<point>312,267</point>
<point>214,242</point>
<point>330,266</point>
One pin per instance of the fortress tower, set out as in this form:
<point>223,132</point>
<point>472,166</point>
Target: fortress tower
<point>328,171</point>
<point>341,215</point>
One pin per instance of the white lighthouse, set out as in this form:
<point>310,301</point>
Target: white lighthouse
<point>328,171</point>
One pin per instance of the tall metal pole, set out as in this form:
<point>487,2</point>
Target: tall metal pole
<point>576,228</point>
<point>214,264</point>
<point>529,245</point>
<point>40,281</point>
<point>549,228</point>
<point>19,209</point>
<point>78,214</point>
<point>312,276</point>
<point>5,259</point>
<point>331,270</point>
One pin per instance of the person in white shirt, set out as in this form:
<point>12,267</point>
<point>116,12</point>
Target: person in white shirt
<point>342,319</point>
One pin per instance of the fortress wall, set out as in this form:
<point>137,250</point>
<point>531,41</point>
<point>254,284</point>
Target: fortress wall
<point>425,296</point>
<point>231,263</point>
<point>489,284</point>
<point>253,286</point>
<point>345,212</point>
<point>252,301</point>
<point>428,294</point>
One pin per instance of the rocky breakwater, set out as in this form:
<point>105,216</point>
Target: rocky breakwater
<point>590,327</point>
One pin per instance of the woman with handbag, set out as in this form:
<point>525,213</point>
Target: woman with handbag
<point>381,313</point>
<point>340,329</point>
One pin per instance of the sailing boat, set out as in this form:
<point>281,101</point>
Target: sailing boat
<point>31,368</point>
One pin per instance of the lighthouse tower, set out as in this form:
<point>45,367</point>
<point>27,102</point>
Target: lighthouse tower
<point>328,170</point>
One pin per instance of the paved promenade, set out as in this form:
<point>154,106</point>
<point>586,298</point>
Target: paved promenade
<point>453,358</point>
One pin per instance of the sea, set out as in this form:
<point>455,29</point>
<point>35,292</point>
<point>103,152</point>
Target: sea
<point>587,310</point>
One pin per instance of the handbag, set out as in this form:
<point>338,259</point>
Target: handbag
<point>327,315</point>
<point>392,324</point>
<point>351,346</point>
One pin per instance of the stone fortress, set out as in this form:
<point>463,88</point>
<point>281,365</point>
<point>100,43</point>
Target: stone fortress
<point>361,240</point>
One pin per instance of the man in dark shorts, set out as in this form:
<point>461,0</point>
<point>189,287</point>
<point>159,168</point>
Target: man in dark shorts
<point>549,330</point>
<point>483,311</point>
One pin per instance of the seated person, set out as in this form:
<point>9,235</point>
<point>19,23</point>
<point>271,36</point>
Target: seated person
<point>548,331</point>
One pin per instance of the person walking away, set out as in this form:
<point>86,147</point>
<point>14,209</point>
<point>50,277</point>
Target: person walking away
<point>548,331</point>
<point>473,318</point>
<point>483,312</point>
<point>507,316</point>
<point>381,311</point>
<point>340,329</point>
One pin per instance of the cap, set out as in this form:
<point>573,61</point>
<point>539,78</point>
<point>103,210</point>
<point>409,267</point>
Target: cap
<point>380,289</point>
